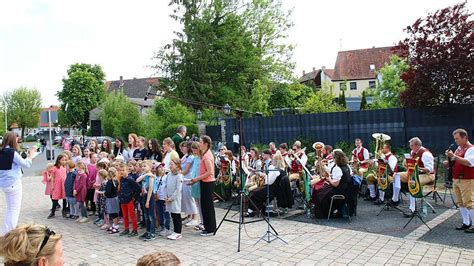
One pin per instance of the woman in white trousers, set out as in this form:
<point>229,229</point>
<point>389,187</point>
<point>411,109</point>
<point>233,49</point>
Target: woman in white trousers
<point>11,163</point>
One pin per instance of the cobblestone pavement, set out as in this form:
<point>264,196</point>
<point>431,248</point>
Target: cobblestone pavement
<point>307,243</point>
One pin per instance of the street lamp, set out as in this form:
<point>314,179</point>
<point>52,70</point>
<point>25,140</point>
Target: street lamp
<point>6,120</point>
<point>199,114</point>
<point>227,109</point>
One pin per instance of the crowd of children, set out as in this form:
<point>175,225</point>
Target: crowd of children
<point>128,189</point>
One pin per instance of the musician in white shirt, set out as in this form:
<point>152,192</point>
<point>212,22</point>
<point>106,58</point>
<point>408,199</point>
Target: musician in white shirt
<point>392,162</point>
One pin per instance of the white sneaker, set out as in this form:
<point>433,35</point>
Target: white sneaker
<point>186,220</point>
<point>175,236</point>
<point>192,223</point>
<point>165,232</point>
<point>83,220</point>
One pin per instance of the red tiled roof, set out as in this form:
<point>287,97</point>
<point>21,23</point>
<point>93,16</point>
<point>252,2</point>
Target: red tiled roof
<point>355,64</point>
<point>313,74</point>
<point>330,73</point>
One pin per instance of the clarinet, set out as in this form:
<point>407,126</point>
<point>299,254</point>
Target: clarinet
<point>450,165</point>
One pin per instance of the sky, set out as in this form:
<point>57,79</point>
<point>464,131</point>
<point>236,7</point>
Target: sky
<point>40,39</point>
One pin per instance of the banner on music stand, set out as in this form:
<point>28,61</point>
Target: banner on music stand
<point>414,185</point>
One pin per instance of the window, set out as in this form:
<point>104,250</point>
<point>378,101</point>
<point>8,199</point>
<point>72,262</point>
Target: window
<point>372,67</point>
<point>342,86</point>
<point>372,84</point>
<point>353,86</point>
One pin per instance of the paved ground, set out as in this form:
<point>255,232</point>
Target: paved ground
<point>308,243</point>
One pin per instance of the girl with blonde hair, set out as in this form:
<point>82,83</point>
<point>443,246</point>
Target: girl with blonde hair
<point>31,244</point>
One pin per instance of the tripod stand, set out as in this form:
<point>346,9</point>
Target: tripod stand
<point>387,206</point>
<point>240,193</point>
<point>417,214</point>
<point>269,236</point>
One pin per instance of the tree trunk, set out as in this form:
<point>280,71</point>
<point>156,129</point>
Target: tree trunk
<point>22,133</point>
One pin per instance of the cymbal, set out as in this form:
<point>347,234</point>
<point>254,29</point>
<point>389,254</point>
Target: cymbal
<point>381,136</point>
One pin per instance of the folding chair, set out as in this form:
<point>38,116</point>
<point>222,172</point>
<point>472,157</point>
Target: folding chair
<point>338,197</point>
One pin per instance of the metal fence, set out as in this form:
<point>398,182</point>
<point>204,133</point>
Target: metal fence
<point>433,125</point>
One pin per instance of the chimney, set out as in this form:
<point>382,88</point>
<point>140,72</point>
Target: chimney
<point>121,79</point>
<point>314,69</point>
<point>323,68</point>
<point>304,72</point>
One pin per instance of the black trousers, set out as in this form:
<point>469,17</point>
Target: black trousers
<point>56,204</point>
<point>90,199</point>
<point>207,206</point>
<point>177,223</point>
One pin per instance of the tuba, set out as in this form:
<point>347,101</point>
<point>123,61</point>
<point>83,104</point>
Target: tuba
<point>380,139</point>
<point>319,170</point>
<point>382,168</point>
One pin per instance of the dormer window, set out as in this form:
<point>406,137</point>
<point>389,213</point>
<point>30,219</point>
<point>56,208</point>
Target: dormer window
<point>372,67</point>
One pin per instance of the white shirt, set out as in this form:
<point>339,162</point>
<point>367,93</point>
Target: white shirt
<point>392,161</point>
<point>10,177</point>
<point>303,159</point>
<point>428,161</point>
<point>272,175</point>
<point>469,156</point>
<point>167,161</point>
<point>366,152</point>
<point>287,160</point>
<point>336,173</point>
<point>236,138</point>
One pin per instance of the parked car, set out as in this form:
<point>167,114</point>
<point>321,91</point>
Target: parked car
<point>31,138</point>
<point>57,140</point>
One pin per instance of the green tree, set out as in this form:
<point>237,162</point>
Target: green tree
<point>259,98</point>
<point>168,115</point>
<point>388,90</point>
<point>119,115</point>
<point>23,107</point>
<point>225,46</point>
<point>83,90</point>
<point>342,99</point>
<point>321,102</point>
<point>2,119</point>
<point>363,101</point>
<point>289,95</point>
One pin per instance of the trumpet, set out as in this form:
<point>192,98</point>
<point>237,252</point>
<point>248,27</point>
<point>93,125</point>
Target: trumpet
<point>292,155</point>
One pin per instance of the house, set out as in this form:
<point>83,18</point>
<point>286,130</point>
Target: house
<point>316,78</point>
<point>44,117</point>
<point>135,89</point>
<point>43,124</point>
<point>356,70</point>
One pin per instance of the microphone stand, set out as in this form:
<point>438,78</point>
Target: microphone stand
<point>269,236</point>
<point>241,194</point>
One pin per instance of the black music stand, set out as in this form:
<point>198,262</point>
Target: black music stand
<point>269,236</point>
<point>387,207</point>
<point>417,214</point>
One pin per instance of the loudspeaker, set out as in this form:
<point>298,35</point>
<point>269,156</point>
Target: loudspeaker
<point>96,128</point>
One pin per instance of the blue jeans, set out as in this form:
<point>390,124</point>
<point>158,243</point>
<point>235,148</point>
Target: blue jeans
<point>163,215</point>
<point>72,206</point>
<point>149,214</point>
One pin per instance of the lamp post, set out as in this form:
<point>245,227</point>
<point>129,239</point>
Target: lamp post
<point>200,124</point>
<point>6,119</point>
<point>51,156</point>
<point>227,109</point>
